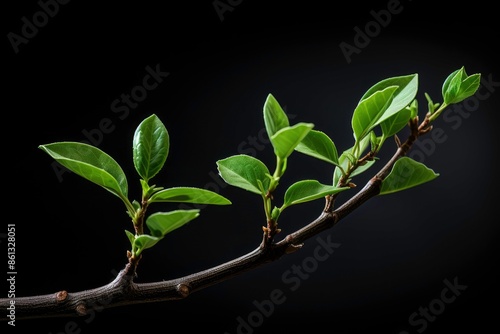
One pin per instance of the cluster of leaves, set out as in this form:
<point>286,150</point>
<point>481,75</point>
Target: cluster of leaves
<point>151,144</point>
<point>387,107</point>
<point>253,175</point>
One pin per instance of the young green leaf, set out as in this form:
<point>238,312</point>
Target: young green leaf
<point>318,145</point>
<point>91,163</point>
<point>274,117</point>
<point>369,111</point>
<point>131,237</point>
<point>286,139</point>
<point>406,173</point>
<point>142,242</point>
<point>245,172</point>
<point>150,147</point>
<point>469,87</point>
<point>161,223</point>
<point>188,195</point>
<point>458,86</point>
<point>403,96</point>
<point>308,190</point>
<point>395,123</point>
<point>451,85</point>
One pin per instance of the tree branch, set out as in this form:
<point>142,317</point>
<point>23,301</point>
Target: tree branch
<point>124,291</point>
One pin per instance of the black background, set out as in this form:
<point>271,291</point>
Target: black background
<point>395,252</point>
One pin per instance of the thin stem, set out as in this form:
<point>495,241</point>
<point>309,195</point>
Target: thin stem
<point>438,112</point>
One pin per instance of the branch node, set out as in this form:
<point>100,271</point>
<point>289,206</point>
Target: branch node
<point>81,309</point>
<point>183,289</point>
<point>425,130</point>
<point>61,296</point>
<point>397,140</point>
<point>293,248</point>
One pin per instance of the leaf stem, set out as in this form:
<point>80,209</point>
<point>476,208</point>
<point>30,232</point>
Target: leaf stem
<point>438,112</point>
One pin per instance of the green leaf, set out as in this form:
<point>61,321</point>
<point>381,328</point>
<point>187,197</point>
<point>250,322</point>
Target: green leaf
<point>131,237</point>
<point>403,96</point>
<point>318,145</point>
<point>275,214</point>
<point>308,190</point>
<point>370,110</point>
<point>274,117</point>
<point>468,87</point>
<point>286,139</point>
<point>91,163</point>
<point>395,123</point>
<point>406,173</point>
<point>142,242</point>
<point>451,85</point>
<point>161,223</point>
<point>458,86</point>
<point>189,195</point>
<point>245,172</point>
<point>151,144</point>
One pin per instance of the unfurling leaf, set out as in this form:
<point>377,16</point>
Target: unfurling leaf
<point>458,86</point>
<point>382,102</point>
<point>142,242</point>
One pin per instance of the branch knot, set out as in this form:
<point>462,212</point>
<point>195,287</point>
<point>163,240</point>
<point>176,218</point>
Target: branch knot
<point>61,296</point>
<point>183,290</point>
